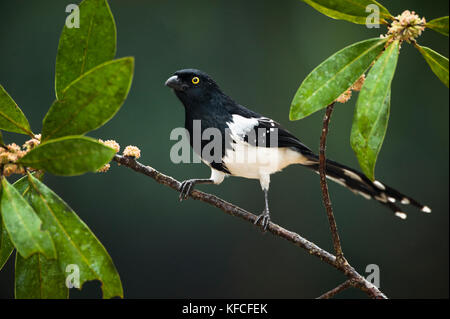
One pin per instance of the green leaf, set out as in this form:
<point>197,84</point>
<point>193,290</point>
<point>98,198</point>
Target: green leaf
<point>23,225</point>
<point>6,246</point>
<point>372,110</point>
<point>90,101</point>
<point>39,278</point>
<point>333,77</point>
<point>69,156</point>
<point>439,25</point>
<point>81,49</point>
<point>11,117</point>
<point>350,10</point>
<point>22,185</point>
<point>438,63</point>
<point>75,242</point>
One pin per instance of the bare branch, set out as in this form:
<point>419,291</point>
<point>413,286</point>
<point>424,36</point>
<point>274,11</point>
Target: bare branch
<point>330,294</point>
<point>324,186</point>
<point>275,229</point>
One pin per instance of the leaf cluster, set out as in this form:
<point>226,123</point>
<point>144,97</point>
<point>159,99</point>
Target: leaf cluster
<point>378,58</point>
<point>90,88</point>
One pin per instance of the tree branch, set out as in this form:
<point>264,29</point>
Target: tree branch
<point>275,229</point>
<point>330,294</point>
<point>324,186</point>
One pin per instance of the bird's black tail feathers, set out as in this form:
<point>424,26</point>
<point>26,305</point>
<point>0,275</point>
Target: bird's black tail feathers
<point>358,183</point>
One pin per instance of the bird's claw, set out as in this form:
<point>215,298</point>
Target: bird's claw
<point>265,220</point>
<point>186,188</point>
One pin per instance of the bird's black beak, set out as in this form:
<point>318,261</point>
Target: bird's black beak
<point>175,83</point>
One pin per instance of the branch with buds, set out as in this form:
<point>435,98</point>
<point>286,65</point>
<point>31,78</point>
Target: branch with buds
<point>10,154</point>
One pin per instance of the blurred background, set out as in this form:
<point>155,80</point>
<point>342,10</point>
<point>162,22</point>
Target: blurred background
<point>259,52</point>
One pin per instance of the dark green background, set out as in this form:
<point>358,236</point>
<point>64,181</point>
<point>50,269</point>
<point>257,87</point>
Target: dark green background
<point>259,52</point>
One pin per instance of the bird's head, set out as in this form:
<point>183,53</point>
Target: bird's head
<point>193,86</point>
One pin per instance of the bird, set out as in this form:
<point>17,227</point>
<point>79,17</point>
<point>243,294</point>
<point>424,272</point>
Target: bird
<point>253,146</point>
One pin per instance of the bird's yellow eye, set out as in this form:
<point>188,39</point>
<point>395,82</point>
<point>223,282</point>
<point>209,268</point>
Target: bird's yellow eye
<point>195,80</point>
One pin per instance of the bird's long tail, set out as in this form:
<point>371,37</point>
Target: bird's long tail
<point>358,183</point>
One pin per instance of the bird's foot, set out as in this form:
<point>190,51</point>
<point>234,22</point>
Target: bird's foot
<point>186,188</point>
<point>264,218</point>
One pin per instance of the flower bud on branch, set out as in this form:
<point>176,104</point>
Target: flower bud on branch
<point>344,97</point>
<point>132,151</point>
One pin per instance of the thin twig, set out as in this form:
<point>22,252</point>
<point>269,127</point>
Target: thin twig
<point>333,292</point>
<point>324,186</point>
<point>296,239</point>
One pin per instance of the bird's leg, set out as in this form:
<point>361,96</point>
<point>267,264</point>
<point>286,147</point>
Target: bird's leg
<point>265,216</point>
<point>188,185</point>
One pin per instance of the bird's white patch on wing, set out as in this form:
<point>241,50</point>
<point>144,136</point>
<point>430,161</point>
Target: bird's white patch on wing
<point>391,199</point>
<point>240,126</point>
<point>267,120</point>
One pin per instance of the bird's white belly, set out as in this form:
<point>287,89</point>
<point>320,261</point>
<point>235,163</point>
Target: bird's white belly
<point>249,161</point>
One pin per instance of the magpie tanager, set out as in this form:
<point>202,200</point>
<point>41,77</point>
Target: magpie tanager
<point>246,153</point>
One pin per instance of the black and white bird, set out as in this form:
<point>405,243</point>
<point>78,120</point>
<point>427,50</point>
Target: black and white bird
<point>245,152</point>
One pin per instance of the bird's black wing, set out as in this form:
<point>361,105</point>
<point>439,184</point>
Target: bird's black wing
<point>271,134</point>
<point>280,136</point>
